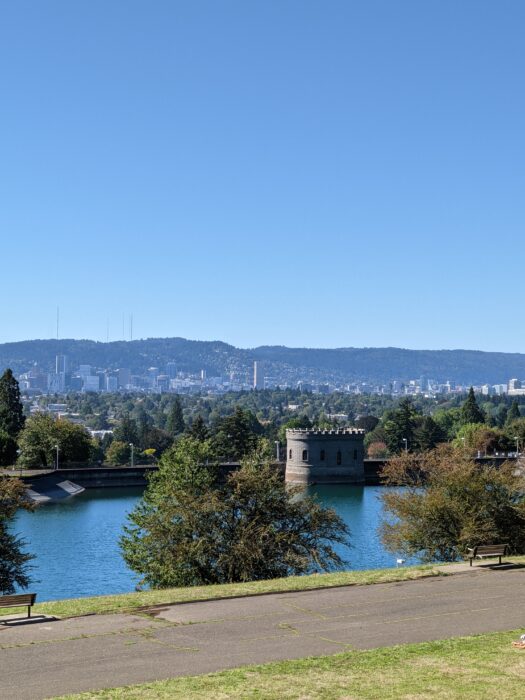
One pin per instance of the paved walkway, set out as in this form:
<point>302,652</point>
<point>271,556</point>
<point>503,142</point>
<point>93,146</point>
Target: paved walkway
<point>46,658</point>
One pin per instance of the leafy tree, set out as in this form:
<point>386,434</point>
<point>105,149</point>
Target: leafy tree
<point>400,425</point>
<point>14,562</point>
<point>188,531</point>
<point>118,453</point>
<point>377,450</point>
<point>428,434</point>
<point>12,417</point>
<point>42,433</point>
<point>175,423</point>
<point>481,438</point>
<point>449,421</point>
<point>449,503</point>
<point>470,411</point>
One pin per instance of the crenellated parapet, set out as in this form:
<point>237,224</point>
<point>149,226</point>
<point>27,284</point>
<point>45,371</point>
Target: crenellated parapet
<point>316,456</point>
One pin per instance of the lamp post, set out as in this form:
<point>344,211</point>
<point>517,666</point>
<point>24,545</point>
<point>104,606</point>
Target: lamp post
<point>132,454</point>
<point>57,449</point>
<point>18,453</point>
<point>277,450</point>
<point>406,444</point>
<point>517,440</point>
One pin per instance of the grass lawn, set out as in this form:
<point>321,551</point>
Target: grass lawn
<point>131,601</point>
<point>481,667</point>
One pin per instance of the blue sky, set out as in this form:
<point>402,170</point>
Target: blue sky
<point>308,173</point>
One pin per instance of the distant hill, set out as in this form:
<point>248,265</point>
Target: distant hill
<point>218,358</point>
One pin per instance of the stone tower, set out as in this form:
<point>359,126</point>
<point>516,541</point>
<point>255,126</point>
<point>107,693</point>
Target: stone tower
<point>325,456</point>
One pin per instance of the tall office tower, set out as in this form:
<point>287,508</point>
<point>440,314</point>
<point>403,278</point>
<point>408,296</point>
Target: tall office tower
<point>258,379</point>
<point>514,384</point>
<point>171,370</point>
<point>124,377</point>
<point>61,364</point>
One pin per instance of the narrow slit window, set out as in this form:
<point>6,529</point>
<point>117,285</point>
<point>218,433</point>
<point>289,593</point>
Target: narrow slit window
<point>290,454</point>
<point>322,456</point>
<point>355,455</point>
<point>305,455</point>
<point>338,457</point>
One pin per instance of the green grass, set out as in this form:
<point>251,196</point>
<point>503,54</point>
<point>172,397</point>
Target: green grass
<point>128,602</point>
<point>485,666</point>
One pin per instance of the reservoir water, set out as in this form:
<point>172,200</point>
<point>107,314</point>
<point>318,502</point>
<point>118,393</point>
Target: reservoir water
<point>76,541</point>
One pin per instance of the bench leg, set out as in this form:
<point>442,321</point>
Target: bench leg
<point>500,560</point>
<point>28,611</point>
<point>470,561</point>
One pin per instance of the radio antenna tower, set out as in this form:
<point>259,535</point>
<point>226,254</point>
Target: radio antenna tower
<point>58,319</point>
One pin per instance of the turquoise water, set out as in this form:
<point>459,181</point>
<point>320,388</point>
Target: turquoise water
<point>76,541</point>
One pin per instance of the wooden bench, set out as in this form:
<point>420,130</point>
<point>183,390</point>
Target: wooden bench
<point>17,601</point>
<point>487,550</point>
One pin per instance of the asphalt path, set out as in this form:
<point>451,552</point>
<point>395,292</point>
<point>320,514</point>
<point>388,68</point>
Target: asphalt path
<point>46,658</point>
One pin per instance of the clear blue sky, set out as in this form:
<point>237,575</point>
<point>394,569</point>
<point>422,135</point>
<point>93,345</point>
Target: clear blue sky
<point>310,173</point>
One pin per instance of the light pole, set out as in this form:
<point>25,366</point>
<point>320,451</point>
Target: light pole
<point>277,450</point>
<point>132,454</point>
<point>57,449</point>
<point>18,453</point>
<point>406,444</point>
<point>517,446</point>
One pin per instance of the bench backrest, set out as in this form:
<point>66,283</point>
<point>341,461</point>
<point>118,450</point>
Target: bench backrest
<point>13,601</point>
<point>488,549</point>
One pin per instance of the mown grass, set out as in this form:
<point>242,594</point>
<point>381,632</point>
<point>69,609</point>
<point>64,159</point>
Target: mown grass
<point>128,602</point>
<point>484,666</point>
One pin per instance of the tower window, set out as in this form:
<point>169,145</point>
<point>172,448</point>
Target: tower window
<point>338,457</point>
<point>305,455</point>
<point>322,456</point>
<point>355,454</point>
<point>290,454</point>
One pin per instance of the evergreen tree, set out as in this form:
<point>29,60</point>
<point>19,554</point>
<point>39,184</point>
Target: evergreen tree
<point>12,417</point>
<point>175,423</point>
<point>400,426</point>
<point>14,562</point>
<point>428,434</point>
<point>198,429</point>
<point>127,431</point>
<point>470,411</point>
<point>513,413</point>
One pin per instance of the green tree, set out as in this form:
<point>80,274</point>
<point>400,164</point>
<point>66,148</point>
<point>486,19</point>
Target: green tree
<point>428,434</point>
<point>189,531</point>
<point>476,437</point>
<point>127,431</point>
<point>175,423</point>
<point>118,453</point>
<point>449,503</point>
<point>12,417</point>
<point>237,435</point>
<point>8,449</point>
<point>198,429</point>
<point>470,411</point>
<point>513,412</point>
<point>42,433</point>
<point>399,425</point>
<point>14,561</point>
